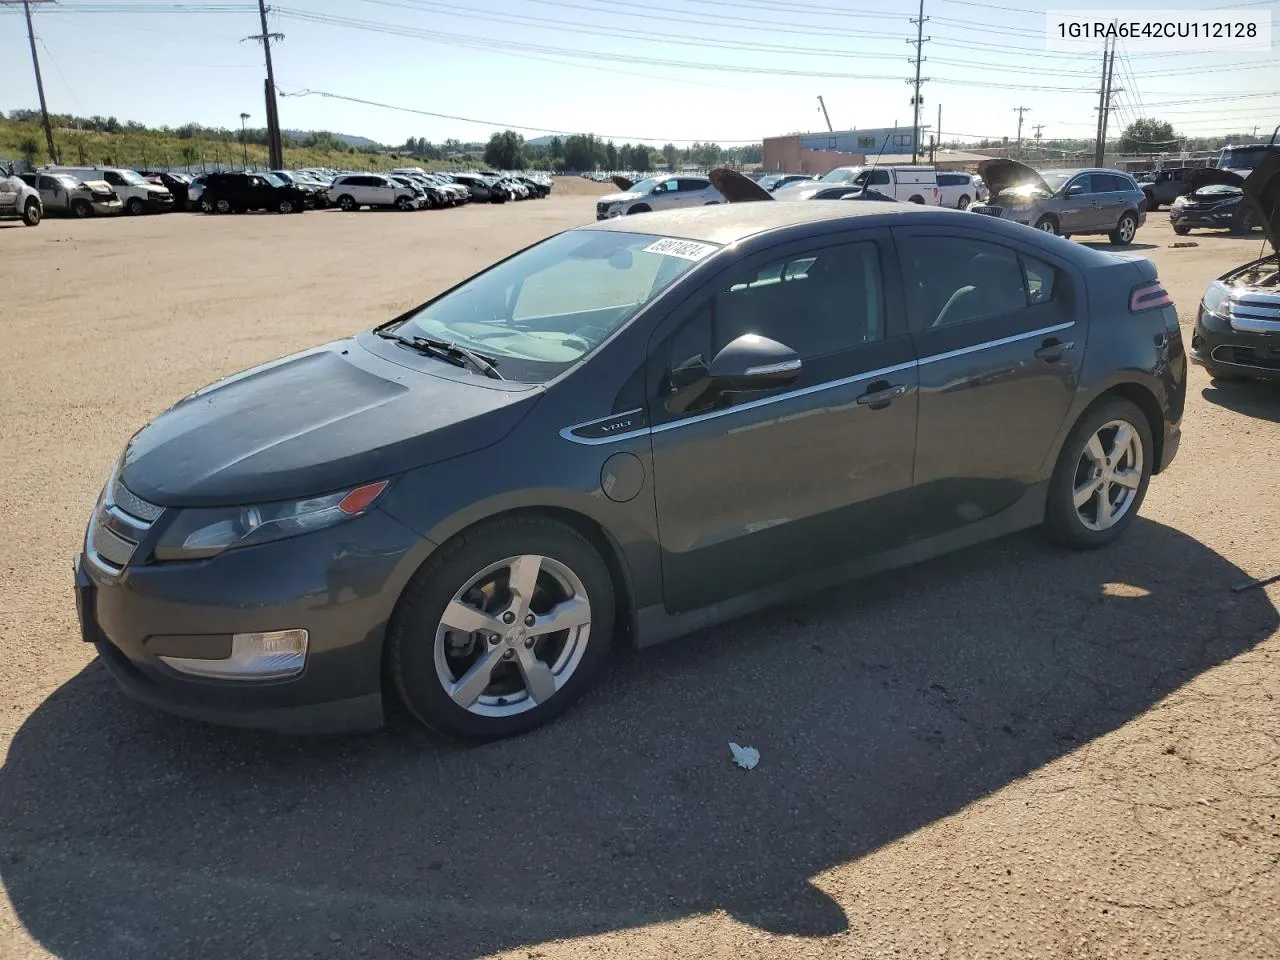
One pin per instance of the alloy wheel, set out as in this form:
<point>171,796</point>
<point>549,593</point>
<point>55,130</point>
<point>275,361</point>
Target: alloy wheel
<point>513,636</point>
<point>1047,225</point>
<point>1127,229</point>
<point>1108,475</point>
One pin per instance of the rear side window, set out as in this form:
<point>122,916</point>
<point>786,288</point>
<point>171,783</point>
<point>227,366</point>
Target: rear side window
<point>878,177</point>
<point>1040,279</point>
<point>958,280</point>
<point>691,185</point>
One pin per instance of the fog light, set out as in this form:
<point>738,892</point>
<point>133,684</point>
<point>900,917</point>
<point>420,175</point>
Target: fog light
<point>254,656</point>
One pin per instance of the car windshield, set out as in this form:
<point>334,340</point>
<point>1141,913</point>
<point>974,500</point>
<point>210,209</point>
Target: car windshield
<point>274,180</point>
<point>1241,158</point>
<point>842,175</point>
<point>644,186</point>
<point>281,176</point>
<point>1056,178</point>
<point>546,308</point>
<point>133,177</point>
<point>67,181</point>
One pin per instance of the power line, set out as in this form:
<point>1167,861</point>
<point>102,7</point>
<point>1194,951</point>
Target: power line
<point>493,123</point>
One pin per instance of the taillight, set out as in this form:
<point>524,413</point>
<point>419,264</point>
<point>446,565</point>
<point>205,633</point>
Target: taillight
<point>1149,296</point>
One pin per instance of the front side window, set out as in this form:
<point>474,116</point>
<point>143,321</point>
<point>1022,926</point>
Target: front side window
<point>818,303</point>
<point>273,179</point>
<point>549,306</point>
<point>113,178</point>
<point>959,280</point>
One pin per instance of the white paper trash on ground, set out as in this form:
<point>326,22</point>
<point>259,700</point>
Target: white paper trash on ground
<point>745,757</point>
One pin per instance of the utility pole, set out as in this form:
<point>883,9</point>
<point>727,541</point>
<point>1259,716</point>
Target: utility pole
<point>275,149</point>
<point>1102,98</point>
<point>1106,108</point>
<point>35,62</point>
<point>1020,111</point>
<point>826,116</point>
<point>938,130</point>
<point>244,144</point>
<point>919,43</point>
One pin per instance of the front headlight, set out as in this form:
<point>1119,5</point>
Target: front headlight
<point>200,533</point>
<point>1216,298</point>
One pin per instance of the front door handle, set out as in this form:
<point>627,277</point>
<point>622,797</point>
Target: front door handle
<point>880,394</point>
<point>1051,350</point>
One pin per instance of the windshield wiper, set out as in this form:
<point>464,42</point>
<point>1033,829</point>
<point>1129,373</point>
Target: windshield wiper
<point>448,351</point>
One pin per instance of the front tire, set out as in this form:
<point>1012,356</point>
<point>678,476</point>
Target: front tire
<point>1181,230</point>
<point>1125,230</point>
<point>638,208</point>
<point>404,203</point>
<point>134,206</point>
<point>1244,221</point>
<point>502,629</point>
<point>81,210</point>
<point>347,203</point>
<point>31,213</point>
<point>1101,477</point>
<point>285,206</point>
<point>1047,224</point>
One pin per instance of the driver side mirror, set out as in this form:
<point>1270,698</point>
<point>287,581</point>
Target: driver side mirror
<point>1075,190</point>
<point>753,362</point>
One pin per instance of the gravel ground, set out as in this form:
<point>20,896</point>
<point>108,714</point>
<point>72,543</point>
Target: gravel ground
<point>1009,752</point>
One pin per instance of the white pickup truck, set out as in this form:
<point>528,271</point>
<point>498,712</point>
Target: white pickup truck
<point>19,201</point>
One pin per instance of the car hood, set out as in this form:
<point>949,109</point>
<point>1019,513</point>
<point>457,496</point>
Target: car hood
<point>1001,175</point>
<point>620,197</point>
<point>1262,187</point>
<point>1207,176</point>
<point>736,188</point>
<point>318,421</point>
<point>100,187</point>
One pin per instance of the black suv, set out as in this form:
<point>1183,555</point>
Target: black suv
<point>236,192</point>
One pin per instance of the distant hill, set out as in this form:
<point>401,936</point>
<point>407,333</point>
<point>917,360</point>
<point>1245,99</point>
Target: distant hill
<point>358,142</point>
<point>542,141</point>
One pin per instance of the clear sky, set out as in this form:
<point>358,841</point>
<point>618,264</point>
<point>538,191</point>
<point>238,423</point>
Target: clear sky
<point>723,70</point>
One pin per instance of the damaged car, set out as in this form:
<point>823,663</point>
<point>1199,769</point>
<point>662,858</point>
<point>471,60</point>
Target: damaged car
<point>1216,201</point>
<point>663,192</point>
<point>1237,335</point>
<point>1064,202</point>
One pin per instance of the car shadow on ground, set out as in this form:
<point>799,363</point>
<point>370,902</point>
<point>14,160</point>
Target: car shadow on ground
<point>1118,247</point>
<point>878,708</point>
<point>1253,398</point>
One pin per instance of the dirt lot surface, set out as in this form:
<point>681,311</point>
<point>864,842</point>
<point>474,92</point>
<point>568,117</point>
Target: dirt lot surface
<point>1011,752</point>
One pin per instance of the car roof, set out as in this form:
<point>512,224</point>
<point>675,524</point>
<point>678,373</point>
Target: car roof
<point>726,223</point>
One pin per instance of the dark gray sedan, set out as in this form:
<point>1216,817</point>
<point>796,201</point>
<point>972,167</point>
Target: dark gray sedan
<point>623,433</point>
<point>1064,202</point>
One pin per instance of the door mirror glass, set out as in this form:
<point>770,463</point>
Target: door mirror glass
<point>753,362</point>
<point>1075,190</point>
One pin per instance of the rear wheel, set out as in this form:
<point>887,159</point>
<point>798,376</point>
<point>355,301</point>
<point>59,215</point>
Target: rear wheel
<point>1101,476</point>
<point>963,202</point>
<point>502,630</point>
<point>1047,224</point>
<point>916,199</point>
<point>223,205</point>
<point>1124,232</point>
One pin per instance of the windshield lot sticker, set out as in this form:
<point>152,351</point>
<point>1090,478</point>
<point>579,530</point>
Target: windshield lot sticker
<point>685,249</point>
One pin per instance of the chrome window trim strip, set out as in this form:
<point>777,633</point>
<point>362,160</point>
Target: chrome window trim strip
<point>567,432</point>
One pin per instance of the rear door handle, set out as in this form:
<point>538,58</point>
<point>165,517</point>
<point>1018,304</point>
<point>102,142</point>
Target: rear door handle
<point>1051,350</point>
<point>880,394</point>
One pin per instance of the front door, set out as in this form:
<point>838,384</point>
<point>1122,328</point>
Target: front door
<point>999,359</point>
<point>1078,207</point>
<point>754,489</point>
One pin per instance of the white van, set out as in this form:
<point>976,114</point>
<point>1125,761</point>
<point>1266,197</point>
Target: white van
<point>137,193</point>
<point>910,184</point>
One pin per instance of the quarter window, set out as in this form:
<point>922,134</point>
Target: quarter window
<point>1040,277</point>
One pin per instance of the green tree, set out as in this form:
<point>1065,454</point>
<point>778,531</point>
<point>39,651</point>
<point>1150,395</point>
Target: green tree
<point>1147,135</point>
<point>610,156</point>
<point>640,161</point>
<point>29,146</point>
<point>505,151</point>
<point>671,154</point>
<point>556,148</point>
<point>584,151</point>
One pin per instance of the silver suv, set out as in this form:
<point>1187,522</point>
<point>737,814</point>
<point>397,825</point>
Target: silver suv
<point>657,193</point>
<point>1064,202</point>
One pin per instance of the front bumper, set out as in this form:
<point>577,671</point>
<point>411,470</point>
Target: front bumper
<point>1214,218</point>
<point>107,208</point>
<point>339,584</point>
<point>1215,343</point>
<point>158,204</point>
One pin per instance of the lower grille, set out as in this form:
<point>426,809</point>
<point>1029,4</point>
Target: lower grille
<point>1247,357</point>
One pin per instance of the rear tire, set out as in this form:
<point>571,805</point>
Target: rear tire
<point>963,202</point>
<point>1080,474</point>
<point>424,653</point>
<point>223,205</point>
<point>1125,230</point>
<point>917,199</point>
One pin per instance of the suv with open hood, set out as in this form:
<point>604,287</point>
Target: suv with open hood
<point>663,192</point>
<point>1216,200</point>
<point>1064,202</point>
<point>1237,332</point>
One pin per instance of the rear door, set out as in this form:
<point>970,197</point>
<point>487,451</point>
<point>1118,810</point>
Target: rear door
<point>696,190</point>
<point>754,489</point>
<point>1112,198</point>
<point>994,327</point>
